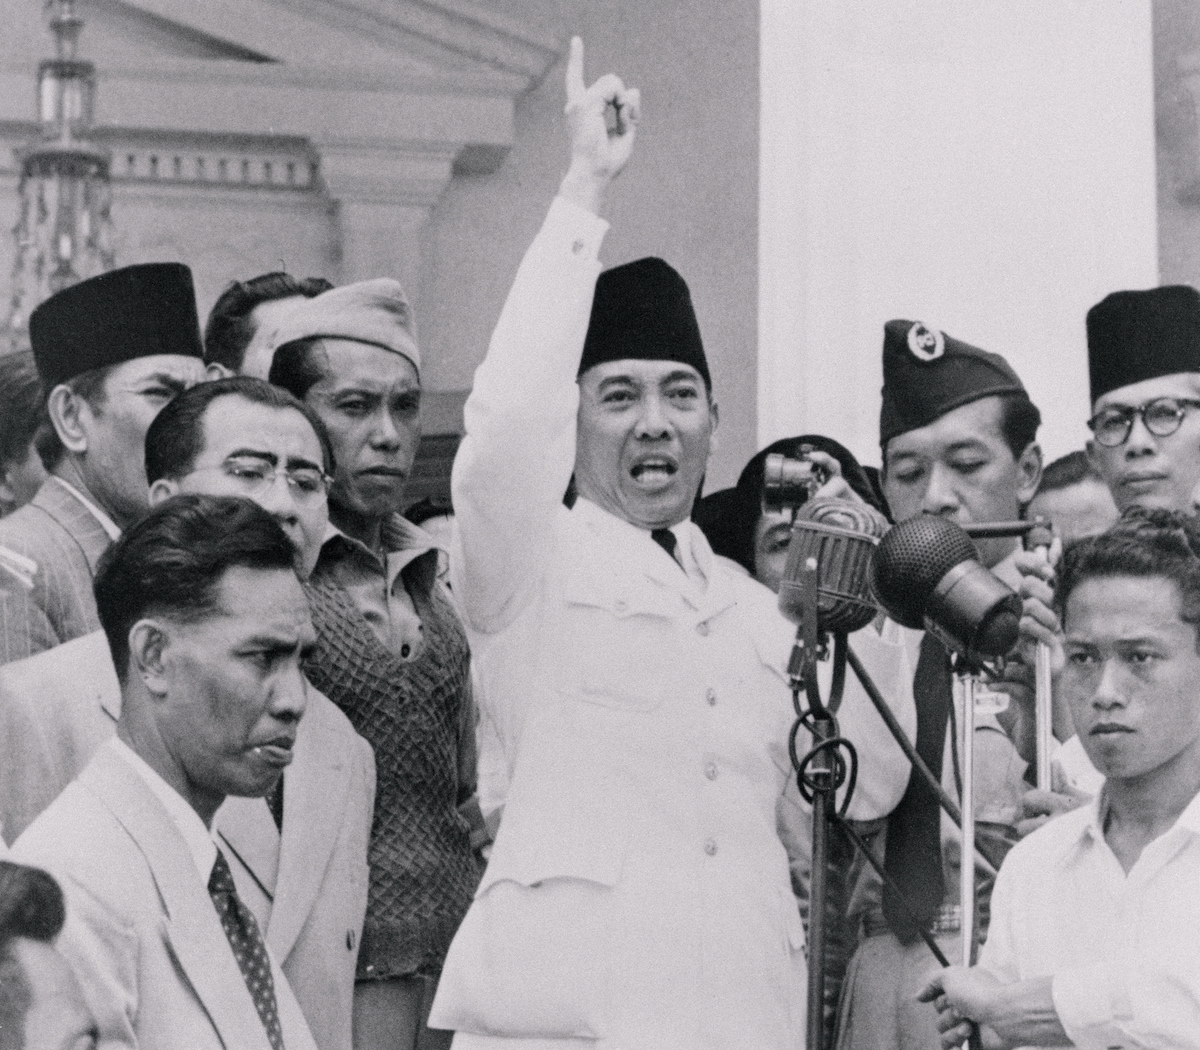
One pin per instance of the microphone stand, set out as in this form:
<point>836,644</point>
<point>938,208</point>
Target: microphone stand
<point>966,678</point>
<point>819,775</point>
<point>1039,539</point>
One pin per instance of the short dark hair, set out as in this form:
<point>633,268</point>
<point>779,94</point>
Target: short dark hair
<point>1068,470</point>
<point>89,386</point>
<point>299,365</point>
<point>176,437</point>
<point>1019,422</point>
<point>172,560</point>
<point>31,905</point>
<point>228,330</point>
<point>22,406</point>
<point>1144,543</point>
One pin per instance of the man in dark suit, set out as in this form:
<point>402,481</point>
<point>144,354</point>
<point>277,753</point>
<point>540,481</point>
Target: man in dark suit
<point>111,351</point>
<point>207,624</point>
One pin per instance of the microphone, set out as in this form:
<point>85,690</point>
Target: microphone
<point>840,536</point>
<point>926,573</point>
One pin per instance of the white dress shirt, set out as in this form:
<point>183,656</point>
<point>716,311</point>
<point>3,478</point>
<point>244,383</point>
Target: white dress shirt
<point>1122,949</point>
<point>106,523</point>
<point>198,838</point>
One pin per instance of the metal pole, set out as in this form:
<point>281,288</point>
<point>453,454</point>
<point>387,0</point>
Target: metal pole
<point>966,887</point>
<point>1039,539</point>
<point>821,773</point>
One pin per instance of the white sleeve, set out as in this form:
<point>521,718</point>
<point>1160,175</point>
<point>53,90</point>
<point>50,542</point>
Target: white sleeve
<point>518,452</point>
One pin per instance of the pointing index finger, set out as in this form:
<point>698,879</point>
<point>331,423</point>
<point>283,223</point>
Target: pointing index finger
<point>575,85</point>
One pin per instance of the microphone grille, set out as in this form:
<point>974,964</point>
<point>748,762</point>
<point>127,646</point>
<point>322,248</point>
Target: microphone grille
<point>841,536</point>
<point>911,560</point>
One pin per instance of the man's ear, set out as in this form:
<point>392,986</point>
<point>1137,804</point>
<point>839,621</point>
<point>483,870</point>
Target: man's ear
<point>214,370</point>
<point>714,411</point>
<point>148,643</point>
<point>1029,466</point>
<point>69,414</point>
<point>163,489</point>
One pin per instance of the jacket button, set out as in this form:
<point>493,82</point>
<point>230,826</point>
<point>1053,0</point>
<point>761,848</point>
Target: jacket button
<point>349,940</point>
<point>621,605</point>
<point>702,629</point>
<point>710,847</point>
<point>711,697</point>
<point>710,770</point>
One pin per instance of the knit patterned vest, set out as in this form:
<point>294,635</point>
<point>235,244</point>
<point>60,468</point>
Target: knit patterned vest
<point>423,872</point>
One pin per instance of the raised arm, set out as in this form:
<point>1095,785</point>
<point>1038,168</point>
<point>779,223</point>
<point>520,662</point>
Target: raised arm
<point>516,459</point>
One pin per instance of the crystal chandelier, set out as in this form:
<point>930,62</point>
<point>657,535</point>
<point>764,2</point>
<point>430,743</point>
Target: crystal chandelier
<point>64,232</point>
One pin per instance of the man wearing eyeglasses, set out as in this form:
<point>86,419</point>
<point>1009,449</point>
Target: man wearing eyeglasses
<point>1144,368</point>
<point>300,861</point>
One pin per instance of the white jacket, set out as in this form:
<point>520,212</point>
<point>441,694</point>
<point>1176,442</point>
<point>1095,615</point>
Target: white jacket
<point>638,893</point>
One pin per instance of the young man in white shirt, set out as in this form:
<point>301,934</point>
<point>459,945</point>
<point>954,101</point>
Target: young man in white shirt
<point>1095,916</point>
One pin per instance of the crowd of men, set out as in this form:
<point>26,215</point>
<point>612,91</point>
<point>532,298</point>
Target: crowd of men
<point>281,769</point>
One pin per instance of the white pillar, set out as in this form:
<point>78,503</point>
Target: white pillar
<point>986,166</point>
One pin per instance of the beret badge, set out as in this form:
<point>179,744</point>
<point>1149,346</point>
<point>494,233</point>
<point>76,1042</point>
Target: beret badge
<point>926,344</point>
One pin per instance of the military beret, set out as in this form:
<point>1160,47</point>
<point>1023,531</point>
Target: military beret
<point>136,311</point>
<point>643,311</point>
<point>375,312</point>
<point>927,373</point>
<point>1133,336</point>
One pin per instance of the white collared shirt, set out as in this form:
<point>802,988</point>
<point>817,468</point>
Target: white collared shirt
<point>198,838</point>
<point>1121,949</point>
<point>106,523</point>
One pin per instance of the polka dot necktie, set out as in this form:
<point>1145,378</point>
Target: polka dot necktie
<point>249,949</point>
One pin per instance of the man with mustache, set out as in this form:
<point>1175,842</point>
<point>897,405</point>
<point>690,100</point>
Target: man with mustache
<point>391,652</point>
<point>1095,916</point>
<point>207,625</point>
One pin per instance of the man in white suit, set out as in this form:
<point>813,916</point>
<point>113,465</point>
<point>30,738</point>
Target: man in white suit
<point>638,893</point>
<point>207,624</point>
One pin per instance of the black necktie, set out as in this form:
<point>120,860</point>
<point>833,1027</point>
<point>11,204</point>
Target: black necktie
<point>665,538</point>
<point>913,856</point>
<point>249,949</point>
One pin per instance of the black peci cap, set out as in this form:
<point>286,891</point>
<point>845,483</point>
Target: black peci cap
<point>643,311</point>
<point>927,373</point>
<point>137,311</point>
<point>1133,336</point>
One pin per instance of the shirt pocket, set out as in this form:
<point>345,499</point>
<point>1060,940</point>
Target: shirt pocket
<point>615,642</point>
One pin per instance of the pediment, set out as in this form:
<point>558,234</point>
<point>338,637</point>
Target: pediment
<point>434,81</point>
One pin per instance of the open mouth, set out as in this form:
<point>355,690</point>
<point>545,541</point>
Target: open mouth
<point>653,472</point>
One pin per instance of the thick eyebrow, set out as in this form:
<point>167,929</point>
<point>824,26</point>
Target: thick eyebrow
<point>254,453</point>
<point>968,445</point>
<point>619,380</point>
<point>300,463</point>
<point>164,379</point>
<point>680,375</point>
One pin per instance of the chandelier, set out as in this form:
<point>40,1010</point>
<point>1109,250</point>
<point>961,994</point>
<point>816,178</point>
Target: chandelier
<point>64,232</point>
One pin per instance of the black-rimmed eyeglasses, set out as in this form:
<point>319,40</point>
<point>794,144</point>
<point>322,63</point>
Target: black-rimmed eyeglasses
<point>1162,417</point>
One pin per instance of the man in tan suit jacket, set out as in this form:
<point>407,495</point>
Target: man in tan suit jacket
<point>305,879</point>
<point>207,623</point>
<point>110,351</point>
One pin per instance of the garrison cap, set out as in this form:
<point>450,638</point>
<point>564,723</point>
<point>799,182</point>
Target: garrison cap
<point>643,311</point>
<point>375,312</point>
<point>927,373</point>
<point>1133,336</point>
<point>136,311</point>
